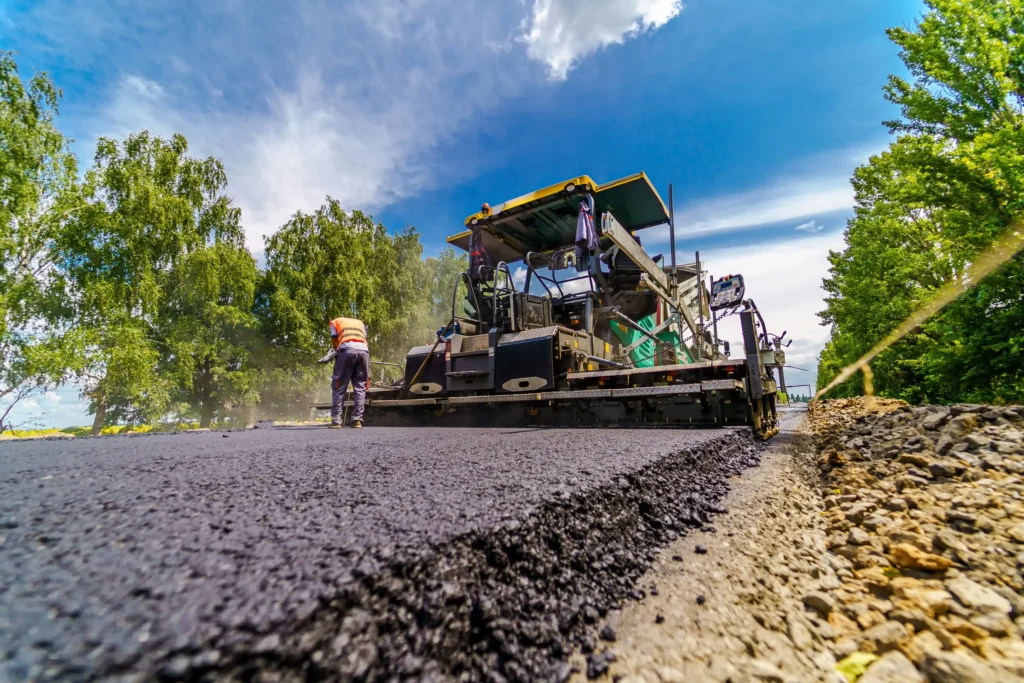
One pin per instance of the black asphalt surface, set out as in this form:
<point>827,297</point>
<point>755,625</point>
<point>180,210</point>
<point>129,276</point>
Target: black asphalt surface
<point>186,555</point>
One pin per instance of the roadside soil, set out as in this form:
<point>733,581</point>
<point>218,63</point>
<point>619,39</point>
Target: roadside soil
<point>727,603</point>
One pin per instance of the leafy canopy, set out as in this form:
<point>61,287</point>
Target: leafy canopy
<point>37,177</point>
<point>946,188</point>
<point>149,209</point>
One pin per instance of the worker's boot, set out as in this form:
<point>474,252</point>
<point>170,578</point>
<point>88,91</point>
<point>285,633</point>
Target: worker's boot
<point>357,424</point>
<point>335,425</point>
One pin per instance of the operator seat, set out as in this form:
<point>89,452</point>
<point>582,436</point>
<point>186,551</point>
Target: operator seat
<point>624,279</point>
<point>624,272</point>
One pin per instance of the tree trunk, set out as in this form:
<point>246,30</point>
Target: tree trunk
<point>206,407</point>
<point>205,415</point>
<point>101,414</point>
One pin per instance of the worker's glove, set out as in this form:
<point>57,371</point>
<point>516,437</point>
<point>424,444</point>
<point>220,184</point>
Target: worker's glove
<point>328,357</point>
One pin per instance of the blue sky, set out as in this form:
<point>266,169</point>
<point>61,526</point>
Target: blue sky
<point>418,111</point>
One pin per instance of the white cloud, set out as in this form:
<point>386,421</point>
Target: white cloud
<point>566,285</point>
<point>791,200</point>
<point>784,279</point>
<point>315,98</point>
<point>811,187</point>
<point>62,407</point>
<point>519,277</point>
<point>560,33</point>
<point>810,226</point>
<point>577,286</point>
<point>310,141</point>
<point>142,87</point>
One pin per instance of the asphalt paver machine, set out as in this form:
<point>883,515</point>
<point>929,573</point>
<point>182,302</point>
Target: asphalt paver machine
<point>563,319</point>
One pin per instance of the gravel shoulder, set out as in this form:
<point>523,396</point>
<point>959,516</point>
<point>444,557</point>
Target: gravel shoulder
<point>727,603</point>
<point>876,543</point>
<point>925,512</point>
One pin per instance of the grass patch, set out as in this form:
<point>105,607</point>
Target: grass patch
<point>86,431</point>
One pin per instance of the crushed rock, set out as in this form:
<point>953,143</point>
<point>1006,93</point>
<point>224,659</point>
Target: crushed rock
<point>925,526</point>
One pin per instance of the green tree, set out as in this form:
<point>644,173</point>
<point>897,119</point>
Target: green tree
<point>945,189</point>
<point>444,270</point>
<point>207,328</point>
<point>37,177</point>
<point>149,208</point>
<point>333,263</point>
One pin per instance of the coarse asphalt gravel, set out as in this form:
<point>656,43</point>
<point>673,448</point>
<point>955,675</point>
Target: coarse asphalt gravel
<point>167,554</point>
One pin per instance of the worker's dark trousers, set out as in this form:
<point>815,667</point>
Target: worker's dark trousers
<point>349,366</point>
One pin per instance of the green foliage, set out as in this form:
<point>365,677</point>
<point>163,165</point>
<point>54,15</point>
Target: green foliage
<point>967,63</point>
<point>942,192</point>
<point>336,263</point>
<point>443,273</point>
<point>137,281</point>
<point>150,214</point>
<point>112,429</point>
<point>209,331</point>
<point>37,173</point>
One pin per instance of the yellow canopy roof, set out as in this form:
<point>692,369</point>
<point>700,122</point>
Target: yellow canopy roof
<point>545,219</point>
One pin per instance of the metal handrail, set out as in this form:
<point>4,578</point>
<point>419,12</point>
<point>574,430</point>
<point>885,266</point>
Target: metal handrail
<point>472,293</point>
<point>510,289</point>
<point>384,365</point>
<point>541,278</point>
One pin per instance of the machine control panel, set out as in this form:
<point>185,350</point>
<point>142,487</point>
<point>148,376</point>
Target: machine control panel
<point>727,292</point>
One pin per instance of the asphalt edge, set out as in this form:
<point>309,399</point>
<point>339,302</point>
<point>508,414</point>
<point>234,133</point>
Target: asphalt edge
<point>507,604</point>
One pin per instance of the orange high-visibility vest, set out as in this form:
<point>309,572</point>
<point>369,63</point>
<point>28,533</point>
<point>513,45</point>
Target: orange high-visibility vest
<point>347,330</point>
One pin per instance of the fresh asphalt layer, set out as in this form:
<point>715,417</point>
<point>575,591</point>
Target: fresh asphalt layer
<point>134,556</point>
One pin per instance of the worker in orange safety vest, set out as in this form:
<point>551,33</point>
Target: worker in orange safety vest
<point>351,365</point>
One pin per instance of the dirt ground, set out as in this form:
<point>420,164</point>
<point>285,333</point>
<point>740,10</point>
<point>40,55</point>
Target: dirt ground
<point>727,604</point>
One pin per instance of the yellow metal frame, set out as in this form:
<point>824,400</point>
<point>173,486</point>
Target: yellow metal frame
<point>581,181</point>
<point>550,190</point>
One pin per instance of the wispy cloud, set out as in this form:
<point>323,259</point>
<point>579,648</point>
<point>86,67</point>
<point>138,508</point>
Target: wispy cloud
<point>560,33</point>
<point>519,277</point>
<point>569,287</point>
<point>809,189</point>
<point>141,87</point>
<point>787,201</point>
<point>300,100</point>
<point>305,99</point>
<point>810,226</point>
